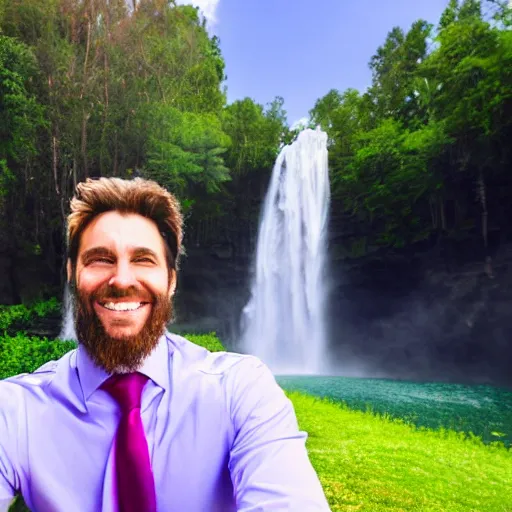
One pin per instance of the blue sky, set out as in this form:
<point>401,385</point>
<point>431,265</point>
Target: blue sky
<point>300,49</point>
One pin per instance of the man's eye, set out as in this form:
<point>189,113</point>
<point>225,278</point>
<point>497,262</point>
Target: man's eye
<point>101,260</point>
<point>144,260</point>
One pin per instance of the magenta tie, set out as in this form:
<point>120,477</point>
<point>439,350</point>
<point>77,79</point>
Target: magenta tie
<point>135,481</point>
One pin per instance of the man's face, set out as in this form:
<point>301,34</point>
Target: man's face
<point>122,290</point>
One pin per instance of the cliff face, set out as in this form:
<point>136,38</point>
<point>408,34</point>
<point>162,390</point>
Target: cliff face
<point>418,317</point>
<point>426,320</point>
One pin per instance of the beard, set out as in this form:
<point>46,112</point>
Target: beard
<point>124,354</point>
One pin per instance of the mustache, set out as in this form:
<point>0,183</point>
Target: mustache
<point>113,292</point>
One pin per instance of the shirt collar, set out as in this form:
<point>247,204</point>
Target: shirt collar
<point>156,367</point>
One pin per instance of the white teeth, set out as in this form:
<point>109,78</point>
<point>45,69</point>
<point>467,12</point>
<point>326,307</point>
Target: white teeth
<point>122,306</point>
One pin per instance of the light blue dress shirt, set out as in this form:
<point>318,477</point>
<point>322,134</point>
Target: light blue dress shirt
<point>222,435</point>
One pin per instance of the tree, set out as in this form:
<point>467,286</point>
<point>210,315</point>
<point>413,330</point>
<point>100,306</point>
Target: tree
<point>393,69</point>
<point>255,134</point>
<point>414,156</point>
<point>102,68</point>
<point>185,148</point>
<point>470,9</point>
<point>449,15</point>
<point>20,111</point>
<point>388,182</point>
<point>22,116</point>
<point>473,67</point>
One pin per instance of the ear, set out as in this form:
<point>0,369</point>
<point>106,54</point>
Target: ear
<point>69,270</point>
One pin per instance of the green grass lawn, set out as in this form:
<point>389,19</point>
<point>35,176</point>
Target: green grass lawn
<point>372,463</point>
<point>365,462</point>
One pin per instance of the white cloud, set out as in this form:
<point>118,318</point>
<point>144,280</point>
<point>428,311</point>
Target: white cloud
<point>207,7</point>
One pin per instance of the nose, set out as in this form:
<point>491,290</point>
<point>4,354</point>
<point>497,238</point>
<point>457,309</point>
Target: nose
<point>124,275</point>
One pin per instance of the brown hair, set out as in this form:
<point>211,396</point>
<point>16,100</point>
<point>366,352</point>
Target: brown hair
<point>139,196</point>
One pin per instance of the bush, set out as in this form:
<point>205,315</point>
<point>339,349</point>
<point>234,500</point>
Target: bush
<point>20,353</point>
<point>24,354</point>
<point>22,314</point>
<point>208,341</point>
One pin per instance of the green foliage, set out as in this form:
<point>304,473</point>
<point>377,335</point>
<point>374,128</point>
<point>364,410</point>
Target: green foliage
<point>47,307</point>
<point>255,134</point>
<point>10,314</point>
<point>449,14</point>
<point>326,108</point>
<point>94,75</point>
<point>20,112</point>
<point>394,67</point>
<point>142,94</point>
<point>208,341</point>
<point>23,354</point>
<point>184,148</point>
<point>475,84</point>
<point>391,170</point>
<point>22,314</point>
<point>435,108</point>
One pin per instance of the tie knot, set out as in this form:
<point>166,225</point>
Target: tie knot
<point>126,389</point>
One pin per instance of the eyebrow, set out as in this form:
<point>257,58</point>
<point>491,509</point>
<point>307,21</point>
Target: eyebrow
<point>104,251</point>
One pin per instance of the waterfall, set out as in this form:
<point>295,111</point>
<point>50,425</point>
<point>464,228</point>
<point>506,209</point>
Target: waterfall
<point>283,323</point>
<point>68,327</point>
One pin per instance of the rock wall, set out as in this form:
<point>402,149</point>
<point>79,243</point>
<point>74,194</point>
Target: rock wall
<point>434,323</point>
<point>419,317</point>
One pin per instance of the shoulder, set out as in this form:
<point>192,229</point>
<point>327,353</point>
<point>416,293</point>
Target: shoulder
<point>16,389</point>
<point>23,398</point>
<point>248,384</point>
<point>229,364</point>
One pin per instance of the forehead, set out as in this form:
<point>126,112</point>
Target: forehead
<point>121,231</point>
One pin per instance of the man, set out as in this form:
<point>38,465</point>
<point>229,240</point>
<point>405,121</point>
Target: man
<point>138,419</point>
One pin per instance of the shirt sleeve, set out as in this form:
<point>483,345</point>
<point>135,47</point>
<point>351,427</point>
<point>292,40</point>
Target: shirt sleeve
<point>8,417</point>
<point>269,463</point>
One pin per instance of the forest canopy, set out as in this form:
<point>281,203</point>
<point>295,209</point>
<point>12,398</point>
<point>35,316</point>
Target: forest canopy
<point>94,88</point>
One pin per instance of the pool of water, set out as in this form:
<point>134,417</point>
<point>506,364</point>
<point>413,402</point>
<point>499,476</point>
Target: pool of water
<point>485,411</point>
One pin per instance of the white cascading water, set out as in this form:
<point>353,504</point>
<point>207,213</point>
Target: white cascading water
<point>283,323</point>
<point>68,327</point>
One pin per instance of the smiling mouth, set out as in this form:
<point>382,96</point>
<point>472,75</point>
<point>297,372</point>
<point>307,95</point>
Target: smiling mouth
<point>122,306</point>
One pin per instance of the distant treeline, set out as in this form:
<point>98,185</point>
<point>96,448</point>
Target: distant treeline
<point>93,88</point>
<point>425,154</point>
